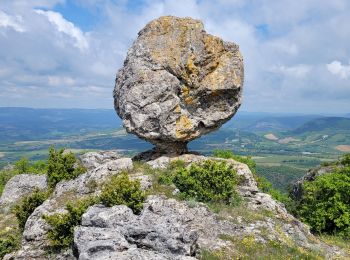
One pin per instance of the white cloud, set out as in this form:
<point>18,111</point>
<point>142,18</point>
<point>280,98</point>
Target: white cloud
<point>66,27</point>
<point>336,68</point>
<point>14,22</point>
<point>283,44</point>
<point>297,71</point>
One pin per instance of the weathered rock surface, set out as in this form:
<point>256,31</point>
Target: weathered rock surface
<point>178,83</point>
<point>116,233</point>
<point>297,189</point>
<point>35,242</point>
<point>92,160</point>
<point>21,185</point>
<point>166,228</point>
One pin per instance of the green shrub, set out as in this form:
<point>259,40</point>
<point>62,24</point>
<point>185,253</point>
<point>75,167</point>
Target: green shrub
<point>166,176</point>
<point>325,203</point>
<point>22,165</point>
<point>62,225</point>
<point>8,244</point>
<point>122,191</point>
<point>345,160</point>
<point>27,206</point>
<point>5,176</point>
<point>209,181</point>
<point>227,154</point>
<point>62,166</point>
<point>263,184</point>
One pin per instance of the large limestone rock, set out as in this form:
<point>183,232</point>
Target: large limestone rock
<point>20,186</point>
<point>178,83</point>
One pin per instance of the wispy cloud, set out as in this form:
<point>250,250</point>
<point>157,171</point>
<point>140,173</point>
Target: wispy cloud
<point>13,22</point>
<point>66,27</point>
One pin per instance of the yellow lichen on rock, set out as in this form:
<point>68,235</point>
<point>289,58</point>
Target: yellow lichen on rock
<point>183,127</point>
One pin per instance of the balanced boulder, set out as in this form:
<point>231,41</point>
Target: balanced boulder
<point>178,83</point>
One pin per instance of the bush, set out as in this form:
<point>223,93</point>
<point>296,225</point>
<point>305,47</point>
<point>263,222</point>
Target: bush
<point>62,225</point>
<point>166,176</point>
<point>22,165</point>
<point>27,206</point>
<point>345,160</point>
<point>227,154</point>
<point>5,176</point>
<point>122,191</point>
<point>62,166</point>
<point>8,244</point>
<point>209,181</point>
<point>325,203</point>
<point>263,184</point>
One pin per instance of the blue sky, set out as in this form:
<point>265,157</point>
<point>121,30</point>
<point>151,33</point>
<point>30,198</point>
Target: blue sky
<point>65,54</point>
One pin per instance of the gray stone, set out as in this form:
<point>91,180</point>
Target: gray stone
<point>21,185</point>
<point>178,83</point>
<point>92,160</point>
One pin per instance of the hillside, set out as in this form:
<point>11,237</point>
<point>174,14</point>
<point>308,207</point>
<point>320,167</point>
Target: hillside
<point>23,124</point>
<point>326,124</point>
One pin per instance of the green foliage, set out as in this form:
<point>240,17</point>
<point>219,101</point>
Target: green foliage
<point>27,205</point>
<point>345,160</point>
<point>122,191</point>
<point>62,166</point>
<point>166,177</point>
<point>22,165</point>
<point>249,247</point>
<point>8,244</point>
<point>263,184</point>
<point>209,181</point>
<point>62,225</point>
<point>5,176</point>
<point>227,154</point>
<point>325,204</point>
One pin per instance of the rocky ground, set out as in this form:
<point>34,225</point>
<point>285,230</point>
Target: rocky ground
<point>167,227</point>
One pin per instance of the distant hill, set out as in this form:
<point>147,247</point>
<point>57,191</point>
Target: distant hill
<point>279,123</point>
<point>35,124</point>
<point>324,124</point>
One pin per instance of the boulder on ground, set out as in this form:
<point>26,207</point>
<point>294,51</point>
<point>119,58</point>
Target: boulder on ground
<point>21,185</point>
<point>178,83</point>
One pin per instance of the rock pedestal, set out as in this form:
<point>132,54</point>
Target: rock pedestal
<point>178,83</point>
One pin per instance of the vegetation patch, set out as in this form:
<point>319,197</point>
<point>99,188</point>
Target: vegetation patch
<point>120,190</point>
<point>8,244</point>
<point>249,248</point>
<point>20,167</point>
<point>62,225</point>
<point>208,181</point>
<point>27,206</point>
<point>325,203</point>
<point>62,166</point>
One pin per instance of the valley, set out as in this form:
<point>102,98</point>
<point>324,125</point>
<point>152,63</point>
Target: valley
<point>283,146</point>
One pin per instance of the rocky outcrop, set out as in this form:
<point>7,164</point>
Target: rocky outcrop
<point>22,185</point>
<point>178,83</point>
<point>35,242</point>
<point>166,228</point>
<point>92,160</point>
<point>297,188</point>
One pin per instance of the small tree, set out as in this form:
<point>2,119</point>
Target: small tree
<point>209,181</point>
<point>62,166</point>
<point>122,191</point>
<point>325,204</point>
<point>27,206</point>
<point>22,165</point>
